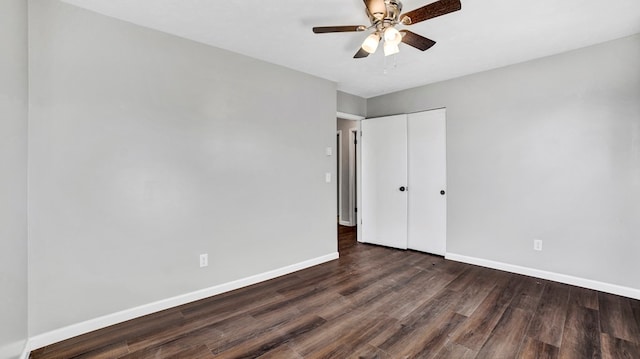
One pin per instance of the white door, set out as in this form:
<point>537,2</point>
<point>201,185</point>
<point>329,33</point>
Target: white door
<point>384,179</point>
<point>427,221</point>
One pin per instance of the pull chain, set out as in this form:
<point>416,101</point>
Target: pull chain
<point>394,65</point>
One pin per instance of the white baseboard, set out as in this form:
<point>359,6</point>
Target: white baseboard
<point>346,223</point>
<point>556,277</point>
<point>74,330</point>
<point>26,351</point>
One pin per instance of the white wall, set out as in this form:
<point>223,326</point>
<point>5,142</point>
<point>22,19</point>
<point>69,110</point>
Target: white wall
<point>147,150</point>
<point>546,149</point>
<point>13,177</point>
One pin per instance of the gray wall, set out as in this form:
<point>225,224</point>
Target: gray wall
<point>13,177</point>
<point>547,149</point>
<point>147,150</point>
<point>351,104</point>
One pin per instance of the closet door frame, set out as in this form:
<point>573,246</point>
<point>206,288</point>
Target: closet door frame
<point>426,219</point>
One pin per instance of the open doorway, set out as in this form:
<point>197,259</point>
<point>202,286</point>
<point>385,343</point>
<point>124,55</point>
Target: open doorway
<point>347,181</point>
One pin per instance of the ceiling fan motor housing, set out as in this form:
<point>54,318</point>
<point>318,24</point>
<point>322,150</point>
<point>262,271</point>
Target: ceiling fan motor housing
<point>389,17</point>
<point>394,8</point>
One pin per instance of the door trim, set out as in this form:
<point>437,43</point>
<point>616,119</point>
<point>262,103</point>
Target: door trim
<point>348,116</point>
<point>353,137</point>
<point>339,177</point>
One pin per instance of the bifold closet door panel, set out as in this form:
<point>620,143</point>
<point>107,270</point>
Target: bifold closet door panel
<point>427,178</point>
<point>384,181</point>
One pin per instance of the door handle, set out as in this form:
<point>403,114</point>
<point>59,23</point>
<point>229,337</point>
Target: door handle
<point>402,188</point>
<point>442,192</point>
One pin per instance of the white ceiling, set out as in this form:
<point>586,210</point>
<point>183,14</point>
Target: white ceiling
<point>485,34</point>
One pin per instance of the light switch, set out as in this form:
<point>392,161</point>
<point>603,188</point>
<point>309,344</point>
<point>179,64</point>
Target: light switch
<point>329,151</point>
<point>327,177</point>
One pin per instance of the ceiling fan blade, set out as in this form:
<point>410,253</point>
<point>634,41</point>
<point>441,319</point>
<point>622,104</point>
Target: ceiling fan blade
<point>418,41</point>
<point>360,54</point>
<point>438,8</point>
<point>376,8</point>
<point>348,28</point>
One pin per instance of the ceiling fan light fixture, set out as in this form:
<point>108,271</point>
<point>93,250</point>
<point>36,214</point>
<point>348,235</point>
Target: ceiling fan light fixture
<point>384,16</point>
<point>370,44</point>
<point>390,48</point>
<point>392,35</point>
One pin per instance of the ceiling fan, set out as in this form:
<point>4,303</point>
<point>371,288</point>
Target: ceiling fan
<point>385,15</point>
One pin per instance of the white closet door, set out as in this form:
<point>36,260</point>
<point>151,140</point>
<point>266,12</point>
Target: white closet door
<point>384,179</point>
<point>427,221</point>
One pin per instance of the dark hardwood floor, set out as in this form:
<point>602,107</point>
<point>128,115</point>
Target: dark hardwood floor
<point>346,238</point>
<point>377,302</point>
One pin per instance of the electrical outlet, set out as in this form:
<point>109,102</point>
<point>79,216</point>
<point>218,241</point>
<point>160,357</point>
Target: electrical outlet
<point>204,260</point>
<point>537,244</point>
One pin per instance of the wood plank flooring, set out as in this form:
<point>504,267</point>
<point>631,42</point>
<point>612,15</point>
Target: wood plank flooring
<point>376,302</point>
